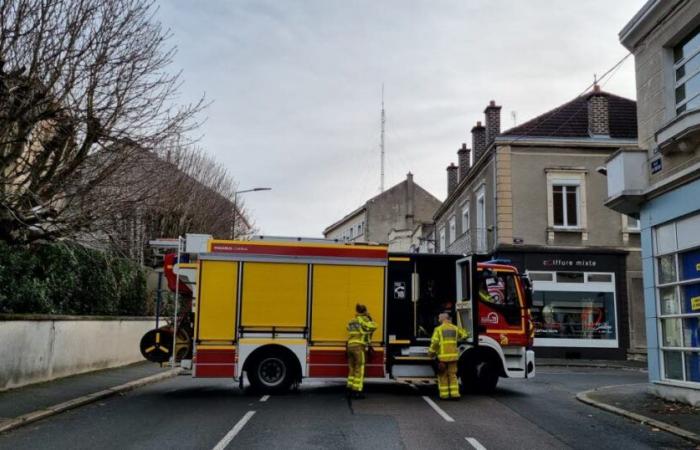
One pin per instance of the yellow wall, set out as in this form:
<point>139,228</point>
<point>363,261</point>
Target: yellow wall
<point>217,301</point>
<point>274,294</point>
<point>336,290</point>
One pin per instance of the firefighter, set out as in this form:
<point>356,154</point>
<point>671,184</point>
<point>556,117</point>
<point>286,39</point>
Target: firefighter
<point>360,330</point>
<point>443,345</point>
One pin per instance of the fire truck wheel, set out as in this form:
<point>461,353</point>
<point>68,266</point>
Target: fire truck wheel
<point>270,372</point>
<point>479,376</point>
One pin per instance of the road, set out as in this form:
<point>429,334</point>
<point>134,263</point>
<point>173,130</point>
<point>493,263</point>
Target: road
<point>187,413</point>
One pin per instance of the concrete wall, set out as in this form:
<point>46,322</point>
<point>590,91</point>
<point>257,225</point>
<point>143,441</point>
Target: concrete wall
<point>41,349</point>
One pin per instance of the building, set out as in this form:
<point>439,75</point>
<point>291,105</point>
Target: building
<point>397,217</point>
<point>534,195</point>
<point>660,183</point>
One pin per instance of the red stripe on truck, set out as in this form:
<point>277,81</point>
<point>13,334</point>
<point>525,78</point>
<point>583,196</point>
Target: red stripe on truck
<point>330,252</point>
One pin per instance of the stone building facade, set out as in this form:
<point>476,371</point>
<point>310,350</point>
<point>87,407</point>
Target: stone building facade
<point>534,195</point>
<point>397,217</point>
<point>660,183</point>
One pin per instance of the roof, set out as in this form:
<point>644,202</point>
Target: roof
<point>570,120</point>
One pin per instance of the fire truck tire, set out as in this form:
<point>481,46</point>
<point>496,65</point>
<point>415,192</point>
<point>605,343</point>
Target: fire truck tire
<point>271,372</point>
<point>479,376</point>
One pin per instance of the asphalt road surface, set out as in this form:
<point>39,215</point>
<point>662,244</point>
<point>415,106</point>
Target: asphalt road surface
<point>185,413</point>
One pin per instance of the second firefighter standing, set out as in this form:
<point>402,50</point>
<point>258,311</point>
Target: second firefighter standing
<point>360,329</point>
<point>444,346</point>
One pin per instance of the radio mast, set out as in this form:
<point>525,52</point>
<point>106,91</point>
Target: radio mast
<point>382,151</point>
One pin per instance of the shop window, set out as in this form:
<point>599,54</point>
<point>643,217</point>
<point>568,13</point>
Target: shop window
<point>541,276</point>
<point>599,278</point>
<point>678,294</point>
<point>569,277</point>
<point>568,312</point>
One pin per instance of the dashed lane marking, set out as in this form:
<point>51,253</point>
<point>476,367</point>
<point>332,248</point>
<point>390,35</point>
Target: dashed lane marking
<point>264,398</point>
<point>234,431</point>
<point>474,443</point>
<point>437,409</point>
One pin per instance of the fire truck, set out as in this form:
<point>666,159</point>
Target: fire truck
<point>276,310</point>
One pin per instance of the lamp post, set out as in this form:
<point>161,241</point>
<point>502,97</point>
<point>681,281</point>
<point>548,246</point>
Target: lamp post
<point>235,206</point>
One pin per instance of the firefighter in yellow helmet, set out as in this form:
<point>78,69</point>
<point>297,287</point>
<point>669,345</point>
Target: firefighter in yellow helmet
<point>444,346</point>
<point>360,329</point>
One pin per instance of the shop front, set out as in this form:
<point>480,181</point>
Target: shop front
<point>578,302</point>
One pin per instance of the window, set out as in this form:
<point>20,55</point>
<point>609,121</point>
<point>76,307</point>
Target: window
<point>442,242</point>
<point>465,218</point>
<point>481,221</point>
<point>686,65</point>
<point>350,232</point>
<point>566,201</point>
<point>570,313</point>
<point>359,229</point>
<point>565,205</point>
<point>678,296</point>
<point>453,229</point>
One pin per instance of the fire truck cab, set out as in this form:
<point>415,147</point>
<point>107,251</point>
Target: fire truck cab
<point>276,311</point>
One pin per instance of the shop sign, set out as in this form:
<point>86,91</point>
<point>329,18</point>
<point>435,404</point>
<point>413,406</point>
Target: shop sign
<point>569,263</point>
<point>695,303</point>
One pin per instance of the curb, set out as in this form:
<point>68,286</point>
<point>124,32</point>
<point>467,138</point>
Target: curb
<point>594,366</point>
<point>644,420</point>
<point>49,411</point>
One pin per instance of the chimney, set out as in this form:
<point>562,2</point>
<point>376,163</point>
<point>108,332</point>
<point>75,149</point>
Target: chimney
<point>492,113</point>
<point>451,178</point>
<point>478,140</point>
<point>463,161</point>
<point>410,200</point>
<point>598,117</point>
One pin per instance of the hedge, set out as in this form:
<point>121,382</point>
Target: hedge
<point>69,279</point>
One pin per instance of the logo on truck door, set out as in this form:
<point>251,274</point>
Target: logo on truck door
<point>491,318</point>
<point>399,290</point>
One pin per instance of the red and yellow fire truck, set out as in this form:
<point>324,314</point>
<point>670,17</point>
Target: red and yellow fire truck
<point>276,310</point>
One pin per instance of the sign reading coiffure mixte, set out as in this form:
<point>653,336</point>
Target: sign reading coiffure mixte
<point>576,262</point>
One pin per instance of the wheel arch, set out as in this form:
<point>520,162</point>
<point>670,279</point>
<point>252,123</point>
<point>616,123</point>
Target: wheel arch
<point>268,349</point>
<point>488,349</point>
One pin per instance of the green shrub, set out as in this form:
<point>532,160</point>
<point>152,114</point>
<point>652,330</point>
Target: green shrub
<point>69,279</point>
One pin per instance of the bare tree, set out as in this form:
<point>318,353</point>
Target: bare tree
<point>84,84</point>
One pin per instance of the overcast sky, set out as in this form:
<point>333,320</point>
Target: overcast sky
<point>296,87</point>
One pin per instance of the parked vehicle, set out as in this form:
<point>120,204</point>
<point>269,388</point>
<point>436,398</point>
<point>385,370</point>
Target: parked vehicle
<point>277,310</point>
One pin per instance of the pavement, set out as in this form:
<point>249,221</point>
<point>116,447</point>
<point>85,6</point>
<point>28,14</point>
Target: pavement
<point>37,401</point>
<point>634,401</point>
<point>181,412</point>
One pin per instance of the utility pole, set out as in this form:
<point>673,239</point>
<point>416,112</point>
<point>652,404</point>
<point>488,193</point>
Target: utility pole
<point>381,147</point>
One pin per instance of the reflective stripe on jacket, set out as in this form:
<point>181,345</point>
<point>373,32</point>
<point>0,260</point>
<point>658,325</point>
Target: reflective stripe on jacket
<point>444,342</point>
<point>360,329</point>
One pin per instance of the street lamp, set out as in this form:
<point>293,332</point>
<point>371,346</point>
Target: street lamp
<point>235,206</point>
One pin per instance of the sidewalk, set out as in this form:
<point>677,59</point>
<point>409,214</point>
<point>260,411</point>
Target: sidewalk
<point>33,402</point>
<point>600,363</point>
<point>635,402</point>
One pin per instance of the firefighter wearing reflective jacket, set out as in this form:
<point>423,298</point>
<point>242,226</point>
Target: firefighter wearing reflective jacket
<point>360,330</point>
<point>444,346</point>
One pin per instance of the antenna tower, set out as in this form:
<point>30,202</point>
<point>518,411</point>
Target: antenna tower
<point>382,151</point>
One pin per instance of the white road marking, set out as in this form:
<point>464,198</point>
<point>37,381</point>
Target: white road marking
<point>474,443</point>
<point>234,431</point>
<point>437,409</point>
<point>264,398</point>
